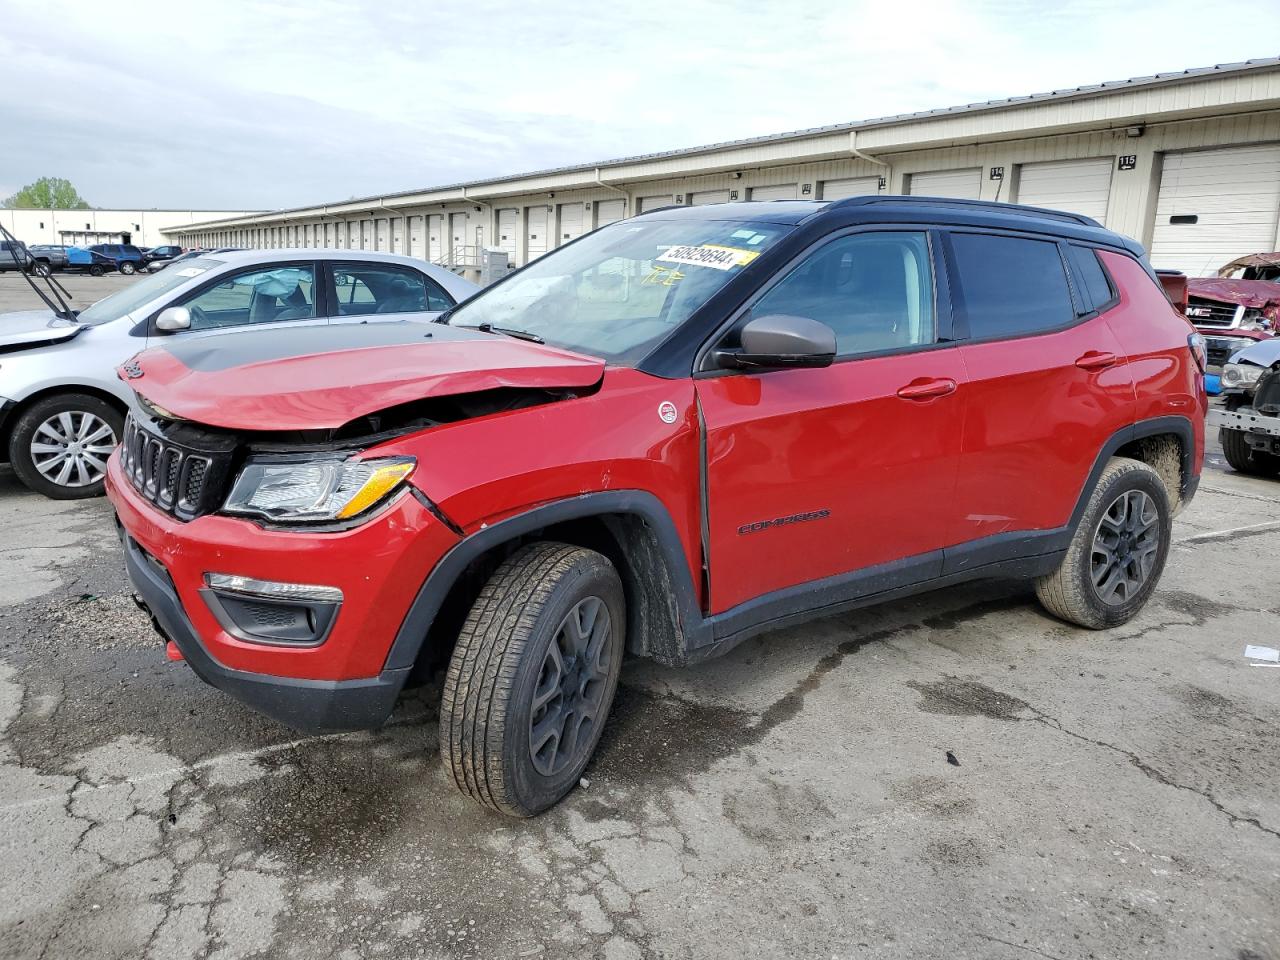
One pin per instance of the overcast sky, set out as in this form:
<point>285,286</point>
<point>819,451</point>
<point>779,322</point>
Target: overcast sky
<point>261,105</point>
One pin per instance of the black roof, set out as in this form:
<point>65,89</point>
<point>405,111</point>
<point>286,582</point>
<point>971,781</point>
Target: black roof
<point>911,209</point>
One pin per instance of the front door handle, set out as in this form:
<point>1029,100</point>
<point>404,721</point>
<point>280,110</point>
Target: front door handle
<point>1095,360</point>
<point>925,388</point>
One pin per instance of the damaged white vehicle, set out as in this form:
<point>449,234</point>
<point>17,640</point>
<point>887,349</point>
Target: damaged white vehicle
<point>1249,423</point>
<point>62,405</point>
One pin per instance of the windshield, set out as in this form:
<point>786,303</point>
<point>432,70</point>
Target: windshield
<point>619,291</point>
<point>149,288</point>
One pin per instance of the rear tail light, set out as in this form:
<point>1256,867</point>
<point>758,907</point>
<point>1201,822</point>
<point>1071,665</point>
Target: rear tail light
<point>1195,342</point>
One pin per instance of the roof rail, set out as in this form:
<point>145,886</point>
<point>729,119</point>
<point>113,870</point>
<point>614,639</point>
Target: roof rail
<point>993,206</point>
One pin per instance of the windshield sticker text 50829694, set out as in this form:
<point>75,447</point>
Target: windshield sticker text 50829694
<point>709,255</point>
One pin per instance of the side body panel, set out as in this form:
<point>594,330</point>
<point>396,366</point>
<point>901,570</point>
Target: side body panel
<point>868,475</point>
<point>1034,422</point>
<point>1154,336</point>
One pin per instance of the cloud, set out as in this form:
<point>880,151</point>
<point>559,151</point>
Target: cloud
<point>252,105</point>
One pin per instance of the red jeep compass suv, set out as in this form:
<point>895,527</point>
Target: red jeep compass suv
<point>671,434</point>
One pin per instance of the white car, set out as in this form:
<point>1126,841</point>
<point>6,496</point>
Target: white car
<point>62,405</point>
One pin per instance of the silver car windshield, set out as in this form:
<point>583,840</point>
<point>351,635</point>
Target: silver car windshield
<point>618,292</point>
<point>145,290</point>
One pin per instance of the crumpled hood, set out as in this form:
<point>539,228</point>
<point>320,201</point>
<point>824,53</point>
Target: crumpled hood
<point>1252,293</point>
<point>320,378</point>
<point>1264,353</point>
<point>28,328</point>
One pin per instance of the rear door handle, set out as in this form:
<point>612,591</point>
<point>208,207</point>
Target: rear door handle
<point>924,388</point>
<point>1095,360</point>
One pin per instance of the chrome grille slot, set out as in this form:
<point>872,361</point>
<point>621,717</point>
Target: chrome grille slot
<point>1212,313</point>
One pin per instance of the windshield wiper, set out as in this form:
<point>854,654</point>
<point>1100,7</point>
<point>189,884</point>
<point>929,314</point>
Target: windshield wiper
<point>511,332</point>
<point>61,308</point>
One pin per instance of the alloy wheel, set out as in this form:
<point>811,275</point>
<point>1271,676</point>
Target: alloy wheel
<point>71,448</point>
<point>571,684</point>
<point>1125,547</point>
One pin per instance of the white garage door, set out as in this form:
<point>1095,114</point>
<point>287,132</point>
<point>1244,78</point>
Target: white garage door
<point>852,187</point>
<point>381,231</point>
<point>535,232</point>
<point>708,196</point>
<point>1077,186</point>
<point>367,238</point>
<point>435,237</point>
<point>960,184</point>
<point>653,203</point>
<point>1214,206</point>
<point>507,233</point>
<point>781,191</point>
<point>457,237</point>
<point>570,223</point>
<point>418,237</point>
<point>609,211</point>
<point>397,235</point>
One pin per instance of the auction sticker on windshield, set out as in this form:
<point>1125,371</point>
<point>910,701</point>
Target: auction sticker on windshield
<point>709,255</point>
<point>190,271</point>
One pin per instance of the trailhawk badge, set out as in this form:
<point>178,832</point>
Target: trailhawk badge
<point>667,412</point>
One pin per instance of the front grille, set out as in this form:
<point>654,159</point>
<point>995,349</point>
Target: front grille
<point>173,475</point>
<point>1220,349</point>
<point>1211,313</point>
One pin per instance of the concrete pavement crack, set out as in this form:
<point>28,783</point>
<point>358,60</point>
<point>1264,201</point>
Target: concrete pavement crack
<point>1159,776</point>
<point>1018,946</point>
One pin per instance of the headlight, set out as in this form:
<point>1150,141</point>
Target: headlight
<point>310,491</point>
<point>1240,374</point>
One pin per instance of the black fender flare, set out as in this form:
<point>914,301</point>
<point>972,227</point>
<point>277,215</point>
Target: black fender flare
<point>1179,425</point>
<point>440,581</point>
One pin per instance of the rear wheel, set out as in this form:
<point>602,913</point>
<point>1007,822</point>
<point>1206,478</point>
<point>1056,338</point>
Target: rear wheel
<point>1117,553</point>
<point>532,678</point>
<point>127,268</point>
<point>1245,459</point>
<point>60,445</point>
<point>39,269</point>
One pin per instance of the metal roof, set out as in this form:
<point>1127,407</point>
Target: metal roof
<point>1110,86</point>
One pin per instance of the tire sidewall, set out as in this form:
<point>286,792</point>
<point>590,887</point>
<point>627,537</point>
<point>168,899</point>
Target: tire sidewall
<point>529,788</point>
<point>36,414</point>
<point>1148,482</point>
<point>127,268</point>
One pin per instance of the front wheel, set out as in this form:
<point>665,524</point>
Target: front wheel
<point>1118,551</point>
<point>96,270</point>
<point>60,445</point>
<point>127,268</point>
<point>39,269</point>
<point>1244,459</point>
<point>532,678</point>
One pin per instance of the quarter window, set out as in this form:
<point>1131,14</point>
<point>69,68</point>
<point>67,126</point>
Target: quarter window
<point>1090,277</point>
<point>363,289</point>
<point>260,296</point>
<point>875,290</point>
<point>1010,286</point>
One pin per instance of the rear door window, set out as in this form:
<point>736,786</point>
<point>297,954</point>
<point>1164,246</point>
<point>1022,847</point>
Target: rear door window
<point>1010,286</point>
<point>1091,279</point>
<point>362,289</point>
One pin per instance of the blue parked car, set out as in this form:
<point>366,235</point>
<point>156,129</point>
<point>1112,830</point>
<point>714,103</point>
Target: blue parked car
<point>95,264</point>
<point>128,258</point>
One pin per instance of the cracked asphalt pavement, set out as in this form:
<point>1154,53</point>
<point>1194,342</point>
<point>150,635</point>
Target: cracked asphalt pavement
<point>1112,795</point>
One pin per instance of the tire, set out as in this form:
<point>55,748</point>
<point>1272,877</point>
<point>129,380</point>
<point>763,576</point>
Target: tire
<point>39,269</point>
<point>78,415</point>
<point>1128,492</point>
<point>95,270</point>
<point>127,268</point>
<point>1244,459</point>
<point>500,684</point>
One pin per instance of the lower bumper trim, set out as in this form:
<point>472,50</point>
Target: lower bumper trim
<point>311,706</point>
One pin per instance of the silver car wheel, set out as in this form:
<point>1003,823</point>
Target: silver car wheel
<point>71,448</point>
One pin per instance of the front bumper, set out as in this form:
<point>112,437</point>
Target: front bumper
<point>340,683</point>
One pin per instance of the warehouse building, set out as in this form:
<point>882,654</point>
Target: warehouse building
<point>1188,163</point>
<point>81,228</point>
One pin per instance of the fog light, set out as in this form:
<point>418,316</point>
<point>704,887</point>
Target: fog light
<point>270,612</point>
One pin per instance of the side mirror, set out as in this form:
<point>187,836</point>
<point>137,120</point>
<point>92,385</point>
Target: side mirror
<point>173,319</point>
<point>780,341</point>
